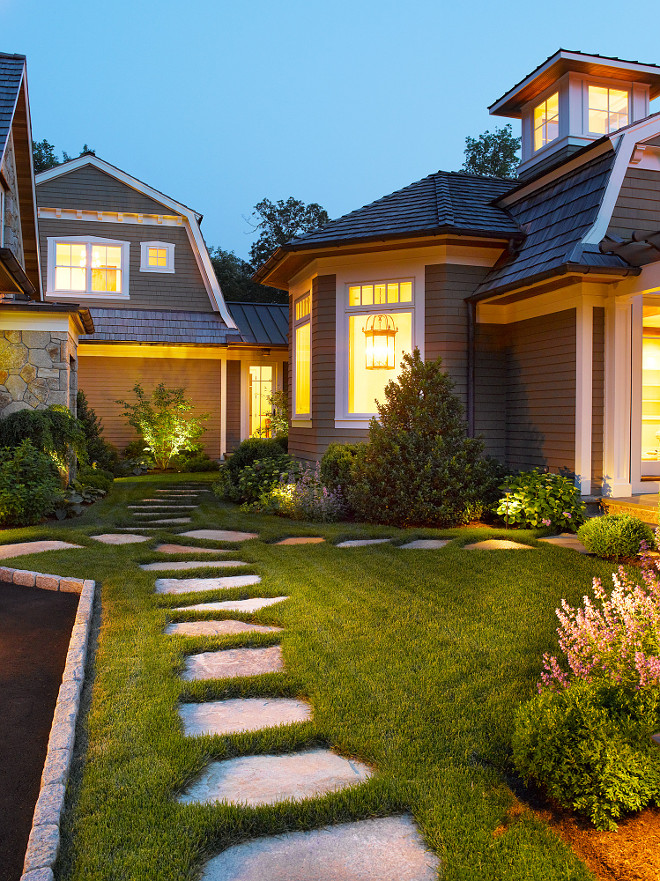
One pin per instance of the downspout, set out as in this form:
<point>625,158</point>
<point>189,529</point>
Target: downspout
<point>472,320</point>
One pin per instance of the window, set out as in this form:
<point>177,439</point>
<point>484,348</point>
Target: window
<point>261,388</point>
<point>380,330</point>
<point>546,121</point>
<point>156,257</point>
<point>302,401</point>
<point>89,266</point>
<point>608,109</point>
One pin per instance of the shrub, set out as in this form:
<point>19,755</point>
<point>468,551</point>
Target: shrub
<point>29,485</point>
<point>615,535</point>
<point>99,451</point>
<point>260,477</point>
<point>337,465</point>
<point>537,499</point>
<point>164,421</point>
<point>590,748</point>
<point>53,431</point>
<point>193,460</point>
<point>304,498</point>
<point>419,466</point>
<point>250,450</point>
<point>95,477</point>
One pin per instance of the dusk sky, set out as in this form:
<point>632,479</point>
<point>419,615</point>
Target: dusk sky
<point>339,102</point>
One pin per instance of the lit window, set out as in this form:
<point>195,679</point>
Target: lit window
<point>87,267</point>
<point>546,121</point>
<point>156,257</point>
<point>261,389</point>
<point>608,109</point>
<point>303,360</point>
<point>380,323</point>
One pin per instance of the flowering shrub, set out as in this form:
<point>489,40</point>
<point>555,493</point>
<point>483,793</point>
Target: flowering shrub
<point>615,535</point>
<point>303,498</point>
<point>537,499</point>
<point>261,477</point>
<point>586,736</point>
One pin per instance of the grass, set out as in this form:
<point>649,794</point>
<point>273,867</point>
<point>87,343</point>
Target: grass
<point>414,662</point>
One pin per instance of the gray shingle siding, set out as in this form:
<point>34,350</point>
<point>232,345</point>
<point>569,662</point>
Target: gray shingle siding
<point>11,73</point>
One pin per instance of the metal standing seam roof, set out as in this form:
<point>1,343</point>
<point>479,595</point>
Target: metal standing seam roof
<point>444,201</point>
<point>11,75</point>
<point>262,324</point>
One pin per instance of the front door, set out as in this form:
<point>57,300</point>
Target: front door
<point>261,389</point>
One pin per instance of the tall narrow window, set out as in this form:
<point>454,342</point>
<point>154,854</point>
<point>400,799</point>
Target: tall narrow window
<point>303,356</point>
<point>261,389</point>
<point>546,121</point>
<point>608,109</point>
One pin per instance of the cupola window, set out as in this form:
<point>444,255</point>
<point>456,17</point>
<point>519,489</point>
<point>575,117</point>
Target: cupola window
<point>608,109</point>
<point>546,121</point>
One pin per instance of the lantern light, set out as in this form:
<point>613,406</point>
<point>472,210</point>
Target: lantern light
<point>379,334</point>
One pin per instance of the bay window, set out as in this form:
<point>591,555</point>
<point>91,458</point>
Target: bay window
<point>302,342</point>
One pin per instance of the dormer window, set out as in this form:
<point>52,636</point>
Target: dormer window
<point>608,109</point>
<point>546,121</point>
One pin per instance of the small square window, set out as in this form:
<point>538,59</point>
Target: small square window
<point>156,257</point>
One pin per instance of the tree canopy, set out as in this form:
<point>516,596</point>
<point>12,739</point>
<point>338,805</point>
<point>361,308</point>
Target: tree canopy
<point>494,154</point>
<point>45,157</point>
<point>235,277</point>
<point>280,221</point>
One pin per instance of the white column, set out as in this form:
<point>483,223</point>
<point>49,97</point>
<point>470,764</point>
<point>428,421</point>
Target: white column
<point>223,405</point>
<point>618,368</point>
<point>584,327</point>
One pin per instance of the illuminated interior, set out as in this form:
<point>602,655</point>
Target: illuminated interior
<point>608,109</point>
<point>260,389</point>
<point>651,385</point>
<point>87,267</point>
<point>303,370</point>
<point>366,386</point>
<point>157,257</point>
<point>378,293</point>
<point>546,121</point>
<point>70,267</point>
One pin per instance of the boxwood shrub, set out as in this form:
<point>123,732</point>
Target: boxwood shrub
<point>615,535</point>
<point>29,485</point>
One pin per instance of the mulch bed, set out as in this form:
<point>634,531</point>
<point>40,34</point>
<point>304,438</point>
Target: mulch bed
<point>35,628</point>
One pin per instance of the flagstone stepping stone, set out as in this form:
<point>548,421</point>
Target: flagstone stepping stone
<point>161,514</point>
<point>266,780</point>
<point>151,508</point>
<point>497,544</point>
<point>382,849</point>
<point>196,585</point>
<point>190,564</point>
<point>231,663</point>
<point>217,628</point>
<point>425,544</point>
<point>251,605</point>
<point>189,549</point>
<point>220,534</point>
<point>566,540</point>
<point>172,520</point>
<point>242,714</point>
<point>33,547</point>
<point>362,542</point>
<point>111,538</point>
<point>301,540</point>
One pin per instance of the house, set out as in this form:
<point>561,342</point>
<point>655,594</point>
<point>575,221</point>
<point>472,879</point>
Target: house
<point>541,294</point>
<point>137,260</point>
<point>38,340</point>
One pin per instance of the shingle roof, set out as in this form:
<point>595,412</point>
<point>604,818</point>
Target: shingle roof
<point>263,324</point>
<point>11,72</point>
<point>444,201</point>
<point>555,218</point>
<point>159,326</point>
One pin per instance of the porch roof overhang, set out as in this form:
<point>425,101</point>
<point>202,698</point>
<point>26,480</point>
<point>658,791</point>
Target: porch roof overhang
<point>79,314</point>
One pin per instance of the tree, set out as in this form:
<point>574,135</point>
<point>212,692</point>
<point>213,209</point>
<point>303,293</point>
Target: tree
<point>493,154</point>
<point>45,157</point>
<point>235,277</point>
<point>280,221</point>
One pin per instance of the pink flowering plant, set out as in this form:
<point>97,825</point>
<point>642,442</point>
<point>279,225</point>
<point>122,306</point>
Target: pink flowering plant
<point>302,496</point>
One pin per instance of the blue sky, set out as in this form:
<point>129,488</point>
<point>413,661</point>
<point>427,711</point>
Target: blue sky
<point>221,104</point>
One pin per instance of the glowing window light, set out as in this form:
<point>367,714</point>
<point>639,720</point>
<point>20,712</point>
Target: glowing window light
<point>379,334</point>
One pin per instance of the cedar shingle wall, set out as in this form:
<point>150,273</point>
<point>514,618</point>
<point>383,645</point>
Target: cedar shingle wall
<point>183,289</point>
<point>638,205</point>
<point>233,404</point>
<point>598,399</point>
<point>490,387</point>
<point>104,380</point>
<point>91,189</point>
<point>540,413</point>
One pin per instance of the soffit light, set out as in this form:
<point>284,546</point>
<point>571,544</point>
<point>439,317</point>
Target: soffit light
<point>379,334</point>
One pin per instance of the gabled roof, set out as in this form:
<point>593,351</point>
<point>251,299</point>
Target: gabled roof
<point>12,68</point>
<point>193,218</point>
<point>262,324</point>
<point>159,326</point>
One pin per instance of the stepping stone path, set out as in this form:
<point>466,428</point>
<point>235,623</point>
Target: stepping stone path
<point>383,849</point>
<point>362,542</point>
<point>425,544</point>
<point>497,544</point>
<point>173,521</point>
<point>190,564</point>
<point>230,663</point>
<point>266,780</point>
<point>302,540</point>
<point>566,540</point>
<point>217,628</point>
<point>247,606</point>
<point>219,535</point>
<point>33,547</point>
<point>111,538</point>
<point>188,549</point>
<point>196,585</point>
<point>237,715</point>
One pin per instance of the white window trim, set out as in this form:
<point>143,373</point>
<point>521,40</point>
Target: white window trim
<point>88,295</point>
<point>344,419</point>
<point>622,86</point>
<point>144,257</point>
<point>302,420</point>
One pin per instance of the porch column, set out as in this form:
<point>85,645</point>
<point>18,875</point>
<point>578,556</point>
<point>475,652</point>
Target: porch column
<point>617,479</point>
<point>584,325</point>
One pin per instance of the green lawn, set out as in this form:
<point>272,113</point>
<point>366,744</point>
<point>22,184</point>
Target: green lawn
<point>414,661</point>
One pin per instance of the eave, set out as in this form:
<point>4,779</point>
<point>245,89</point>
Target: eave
<point>79,313</point>
<point>13,278</point>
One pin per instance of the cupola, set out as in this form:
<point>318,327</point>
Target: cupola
<point>573,99</point>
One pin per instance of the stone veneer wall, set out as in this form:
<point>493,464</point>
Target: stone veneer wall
<point>13,234</point>
<point>38,368</point>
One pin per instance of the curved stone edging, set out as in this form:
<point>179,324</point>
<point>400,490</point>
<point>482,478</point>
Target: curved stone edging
<point>44,840</point>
